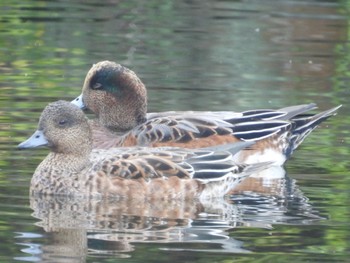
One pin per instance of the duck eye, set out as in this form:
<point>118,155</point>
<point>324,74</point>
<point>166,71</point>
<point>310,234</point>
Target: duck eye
<point>97,85</point>
<point>62,122</point>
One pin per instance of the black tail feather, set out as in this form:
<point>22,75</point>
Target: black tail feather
<point>303,126</point>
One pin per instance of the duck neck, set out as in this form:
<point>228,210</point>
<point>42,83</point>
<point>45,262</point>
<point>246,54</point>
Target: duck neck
<point>72,158</point>
<point>70,162</point>
<point>127,112</point>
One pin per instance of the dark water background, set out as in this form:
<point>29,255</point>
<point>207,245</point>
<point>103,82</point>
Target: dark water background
<point>192,55</point>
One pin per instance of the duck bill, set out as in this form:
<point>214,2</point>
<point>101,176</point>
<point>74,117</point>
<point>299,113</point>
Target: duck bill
<point>36,140</point>
<point>78,101</point>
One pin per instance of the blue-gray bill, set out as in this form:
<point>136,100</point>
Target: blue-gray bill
<point>37,139</point>
<point>78,101</point>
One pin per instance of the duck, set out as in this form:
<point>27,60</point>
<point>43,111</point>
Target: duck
<point>74,168</point>
<point>118,98</point>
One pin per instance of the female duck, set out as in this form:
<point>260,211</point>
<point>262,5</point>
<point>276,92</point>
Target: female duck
<point>119,99</point>
<point>73,168</point>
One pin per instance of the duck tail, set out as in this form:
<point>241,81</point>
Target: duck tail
<point>305,124</point>
<point>256,125</point>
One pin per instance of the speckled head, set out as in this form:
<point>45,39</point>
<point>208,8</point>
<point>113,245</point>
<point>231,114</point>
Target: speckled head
<point>64,128</point>
<point>116,95</point>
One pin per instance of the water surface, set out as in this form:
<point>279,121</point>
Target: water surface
<point>192,55</point>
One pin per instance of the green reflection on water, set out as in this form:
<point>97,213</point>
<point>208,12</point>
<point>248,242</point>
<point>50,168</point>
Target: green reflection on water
<point>216,64</point>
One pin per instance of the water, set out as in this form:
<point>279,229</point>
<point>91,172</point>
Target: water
<point>192,55</point>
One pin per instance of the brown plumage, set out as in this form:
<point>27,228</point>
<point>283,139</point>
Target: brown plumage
<point>119,99</point>
<point>73,168</point>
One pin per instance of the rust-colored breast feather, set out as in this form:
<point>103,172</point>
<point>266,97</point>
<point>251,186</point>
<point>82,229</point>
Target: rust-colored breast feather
<point>134,166</point>
<point>180,132</point>
<point>156,189</point>
<point>102,138</point>
<point>165,132</point>
<point>200,142</point>
<point>152,173</point>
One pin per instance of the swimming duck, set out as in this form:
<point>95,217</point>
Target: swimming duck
<point>119,100</point>
<point>73,168</point>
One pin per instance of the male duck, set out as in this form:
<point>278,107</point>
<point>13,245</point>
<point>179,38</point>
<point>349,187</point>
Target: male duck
<point>119,99</point>
<point>73,168</point>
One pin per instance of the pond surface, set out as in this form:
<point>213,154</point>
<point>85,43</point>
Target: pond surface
<point>192,55</point>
